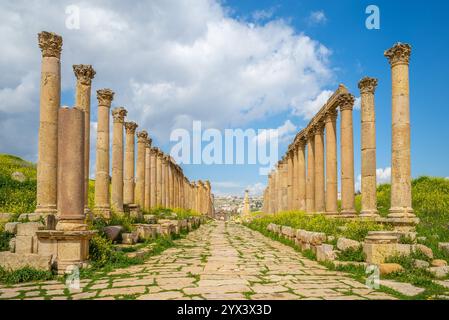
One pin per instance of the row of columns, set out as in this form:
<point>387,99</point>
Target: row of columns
<point>148,180</point>
<point>306,177</point>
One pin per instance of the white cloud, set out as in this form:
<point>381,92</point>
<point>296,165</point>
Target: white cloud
<point>357,103</point>
<point>283,133</point>
<point>256,189</point>
<point>317,17</point>
<point>311,107</point>
<point>225,184</point>
<point>383,175</point>
<point>169,63</point>
<point>264,14</point>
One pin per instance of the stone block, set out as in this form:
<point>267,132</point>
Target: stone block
<point>112,232</point>
<point>376,253</point>
<point>288,232</point>
<point>444,246</point>
<point>420,264</point>
<point>5,216</point>
<point>438,263</point>
<point>325,252</point>
<point>387,268</point>
<point>149,218</point>
<point>12,245</point>
<point>14,261</point>
<point>29,217</point>
<point>128,238</point>
<point>11,227</point>
<point>439,272</point>
<point>24,244</point>
<point>317,238</point>
<point>345,244</point>
<point>29,228</point>
<point>424,250</point>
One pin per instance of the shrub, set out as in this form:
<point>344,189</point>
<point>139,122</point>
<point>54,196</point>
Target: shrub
<point>24,275</point>
<point>100,250</point>
<point>5,237</point>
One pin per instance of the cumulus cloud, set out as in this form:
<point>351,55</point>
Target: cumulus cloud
<point>317,17</point>
<point>383,175</point>
<point>283,133</point>
<point>169,64</point>
<point>308,109</point>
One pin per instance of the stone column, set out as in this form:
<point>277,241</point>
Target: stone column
<point>295,198</point>
<point>171,183</point>
<point>142,138</point>
<point>71,170</point>
<point>301,169</point>
<point>279,186</point>
<point>367,88</point>
<point>164,181</point>
<point>331,163</point>
<point>401,189</point>
<point>319,168</point>
<point>50,99</point>
<point>118,114</point>
<point>159,178</point>
<point>290,170</point>
<point>147,196</point>
<point>346,103</point>
<point>130,128</point>
<point>153,178</point>
<point>310,180</point>
<point>102,197</point>
<point>84,75</point>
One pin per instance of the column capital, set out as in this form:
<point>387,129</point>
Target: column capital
<point>300,143</point>
<point>398,54</point>
<point>105,97</point>
<point>142,136</point>
<point>130,127</point>
<point>119,114</point>
<point>50,44</point>
<point>84,73</point>
<point>331,116</point>
<point>318,128</point>
<point>153,151</point>
<point>148,143</point>
<point>368,85</point>
<point>346,101</point>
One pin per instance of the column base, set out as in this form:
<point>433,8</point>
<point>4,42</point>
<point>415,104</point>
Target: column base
<point>104,212</point>
<point>401,212</point>
<point>369,214</point>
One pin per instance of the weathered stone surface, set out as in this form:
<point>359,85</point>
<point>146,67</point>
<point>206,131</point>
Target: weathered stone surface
<point>439,272</point>
<point>425,250</point>
<point>325,252</point>
<point>387,268</point>
<point>129,238</point>
<point>14,261</point>
<point>404,288</point>
<point>5,216</point>
<point>29,228</point>
<point>113,232</point>
<point>438,263</point>
<point>11,227</point>
<point>29,217</point>
<point>421,264</point>
<point>12,245</point>
<point>345,244</point>
<point>376,253</point>
<point>443,246</point>
<point>18,176</point>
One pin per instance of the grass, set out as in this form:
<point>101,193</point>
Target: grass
<point>24,275</point>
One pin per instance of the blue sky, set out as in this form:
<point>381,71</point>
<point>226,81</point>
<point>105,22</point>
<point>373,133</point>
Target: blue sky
<point>174,62</point>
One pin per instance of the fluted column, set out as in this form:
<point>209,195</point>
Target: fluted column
<point>331,163</point>
<point>159,156</point>
<point>310,180</point>
<point>139,193</point>
<point>102,197</point>
<point>153,178</point>
<point>147,196</point>
<point>118,115</point>
<point>401,189</point>
<point>50,99</point>
<point>165,181</point>
<point>295,185</point>
<point>130,128</point>
<point>301,171</point>
<point>367,88</point>
<point>290,171</point>
<point>279,187</point>
<point>319,168</point>
<point>346,103</point>
<point>171,183</point>
<point>84,75</point>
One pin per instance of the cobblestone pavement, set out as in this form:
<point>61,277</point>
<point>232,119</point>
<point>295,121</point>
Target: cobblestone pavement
<point>217,261</point>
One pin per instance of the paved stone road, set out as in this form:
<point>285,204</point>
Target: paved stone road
<point>217,261</point>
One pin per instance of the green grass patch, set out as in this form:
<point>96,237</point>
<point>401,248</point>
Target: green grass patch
<point>24,275</point>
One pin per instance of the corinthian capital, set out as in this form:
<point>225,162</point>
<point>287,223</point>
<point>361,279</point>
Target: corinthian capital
<point>318,128</point>
<point>131,127</point>
<point>142,136</point>
<point>368,85</point>
<point>105,97</point>
<point>346,101</point>
<point>148,143</point>
<point>398,54</point>
<point>119,114</point>
<point>84,73</point>
<point>50,44</point>
<point>331,116</point>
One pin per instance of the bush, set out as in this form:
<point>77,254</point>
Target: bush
<point>100,250</point>
<point>5,237</point>
<point>24,275</point>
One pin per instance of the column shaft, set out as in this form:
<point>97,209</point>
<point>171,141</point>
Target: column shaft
<point>139,192</point>
<point>128,197</point>
<point>310,186</point>
<point>118,115</point>
<point>331,163</point>
<point>319,168</point>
